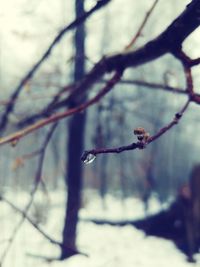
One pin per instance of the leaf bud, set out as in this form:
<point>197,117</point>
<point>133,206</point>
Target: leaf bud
<point>139,131</point>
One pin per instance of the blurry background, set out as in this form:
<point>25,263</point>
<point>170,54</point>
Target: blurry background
<point>114,186</point>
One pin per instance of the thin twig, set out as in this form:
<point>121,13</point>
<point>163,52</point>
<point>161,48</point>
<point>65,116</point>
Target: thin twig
<point>139,32</point>
<point>35,225</point>
<point>174,122</point>
<point>138,145</point>
<point>32,194</point>
<point>38,228</point>
<point>188,64</point>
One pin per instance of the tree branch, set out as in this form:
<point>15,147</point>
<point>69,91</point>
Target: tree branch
<point>150,85</point>
<point>32,194</point>
<point>31,72</point>
<point>170,41</point>
<point>139,31</point>
<point>139,144</point>
<point>15,137</point>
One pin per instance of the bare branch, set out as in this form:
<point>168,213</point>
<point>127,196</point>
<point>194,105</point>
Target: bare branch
<point>154,86</point>
<point>169,41</point>
<point>31,72</point>
<point>32,194</point>
<point>174,122</point>
<point>138,145</point>
<point>35,225</point>
<point>139,32</point>
<point>18,135</point>
<point>48,110</point>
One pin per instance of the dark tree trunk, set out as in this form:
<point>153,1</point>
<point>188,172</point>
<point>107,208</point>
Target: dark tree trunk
<point>74,149</point>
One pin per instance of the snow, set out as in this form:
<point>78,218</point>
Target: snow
<point>105,245</point>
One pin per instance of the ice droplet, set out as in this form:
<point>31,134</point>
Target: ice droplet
<point>89,158</point>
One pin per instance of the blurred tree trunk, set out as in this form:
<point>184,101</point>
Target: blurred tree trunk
<point>75,148</point>
<point>101,166</point>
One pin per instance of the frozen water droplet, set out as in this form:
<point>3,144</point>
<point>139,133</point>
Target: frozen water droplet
<point>89,158</point>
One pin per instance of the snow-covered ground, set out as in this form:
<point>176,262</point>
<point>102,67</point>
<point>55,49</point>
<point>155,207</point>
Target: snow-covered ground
<point>107,246</point>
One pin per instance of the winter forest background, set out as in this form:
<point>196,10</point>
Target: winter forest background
<point>37,171</point>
